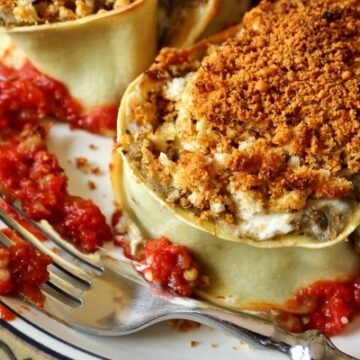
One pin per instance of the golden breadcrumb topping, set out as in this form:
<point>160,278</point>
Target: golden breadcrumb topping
<point>291,82</point>
<point>28,12</point>
<point>259,132</point>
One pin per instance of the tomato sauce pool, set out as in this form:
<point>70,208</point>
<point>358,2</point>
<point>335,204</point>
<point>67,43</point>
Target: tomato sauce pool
<point>28,95</point>
<point>29,171</point>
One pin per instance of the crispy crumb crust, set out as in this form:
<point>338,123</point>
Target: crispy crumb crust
<point>290,82</point>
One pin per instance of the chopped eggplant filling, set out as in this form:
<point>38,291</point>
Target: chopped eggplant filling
<point>324,220</point>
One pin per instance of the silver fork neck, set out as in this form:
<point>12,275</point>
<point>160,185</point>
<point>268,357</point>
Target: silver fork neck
<point>311,345</point>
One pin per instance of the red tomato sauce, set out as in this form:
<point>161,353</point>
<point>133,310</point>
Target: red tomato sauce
<point>172,266</point>
<point>32,174</point>
<point>22,270</point>
<point>163,263</point>
<point>330,307</point>
<point>29,171</point>
<point>27,95</point>
<point>6,314</point>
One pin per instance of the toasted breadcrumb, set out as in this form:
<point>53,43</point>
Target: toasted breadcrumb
<point>291,81</point>
<point>280,101</point>
<point>95,170</point>
<point>82,163</point>
<point>91,185</point>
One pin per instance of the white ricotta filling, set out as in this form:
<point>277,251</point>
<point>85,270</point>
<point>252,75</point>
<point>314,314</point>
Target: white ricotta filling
<point>263,227</point>
<point>193,197</point>
<point>127,230</point>
<point>175,87</point>
<point>220,159</point>
<point>243,145</point>
<point>217,208</point>
<point>256,223</point>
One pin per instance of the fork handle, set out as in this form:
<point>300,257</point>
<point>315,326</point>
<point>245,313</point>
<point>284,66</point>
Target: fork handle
<point>311,345</point>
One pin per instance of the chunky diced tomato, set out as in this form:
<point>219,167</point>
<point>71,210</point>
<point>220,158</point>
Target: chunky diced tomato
<point>332,305</point>
<point>23,270</point>
<point>29,171</point>
<point>170,265</point>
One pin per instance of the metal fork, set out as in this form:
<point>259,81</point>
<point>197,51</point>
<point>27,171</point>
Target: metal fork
<point>101,295</point>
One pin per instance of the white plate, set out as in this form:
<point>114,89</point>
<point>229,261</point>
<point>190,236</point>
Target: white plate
<point>158,342</point>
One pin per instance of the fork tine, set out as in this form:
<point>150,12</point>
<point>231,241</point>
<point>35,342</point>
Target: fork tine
<point>31,314</point>
<point>74,272</point>
<point>66,246</point>
<point>66,292</point>
<point>58,300</point>
<point>4,240</point>
<point>66,289</point>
